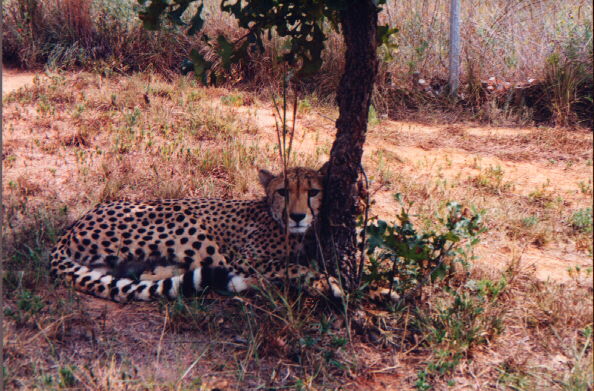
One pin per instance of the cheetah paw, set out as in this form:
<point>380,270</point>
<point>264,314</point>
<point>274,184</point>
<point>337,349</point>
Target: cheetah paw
<point>382,294</point>
<point>328,285</point>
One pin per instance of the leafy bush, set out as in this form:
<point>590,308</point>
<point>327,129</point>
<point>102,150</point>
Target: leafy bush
<point>581,220</point>
<point>450,315</point>
<point>28,305</point>
<point>406,258</point>
<point>102,35</point>
<point>459,320</point>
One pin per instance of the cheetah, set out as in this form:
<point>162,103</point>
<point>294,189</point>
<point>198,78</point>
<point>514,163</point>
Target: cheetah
<point>142,251</point>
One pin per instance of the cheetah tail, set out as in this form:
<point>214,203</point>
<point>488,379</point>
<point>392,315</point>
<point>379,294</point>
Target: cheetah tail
<point>101,284</point>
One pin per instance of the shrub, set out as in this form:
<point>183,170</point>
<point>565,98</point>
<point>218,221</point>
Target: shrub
<point>451,316</point>
<point>581,220</point>
<point>406,258</point>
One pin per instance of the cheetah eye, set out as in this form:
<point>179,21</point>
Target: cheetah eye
<point>313,192</point>
<point>282,192</point>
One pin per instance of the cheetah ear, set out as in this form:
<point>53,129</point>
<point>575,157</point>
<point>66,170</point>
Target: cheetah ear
<point>323,171</point>
<point>265,177</point>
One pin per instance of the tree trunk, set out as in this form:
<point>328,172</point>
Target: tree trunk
<point>338,234</point>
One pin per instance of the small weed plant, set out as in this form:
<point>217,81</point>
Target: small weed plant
<point>407,258</point>
<point>491,180</point>
<point>28,305</point>
<point>581,220</point>
<point>429,271</point>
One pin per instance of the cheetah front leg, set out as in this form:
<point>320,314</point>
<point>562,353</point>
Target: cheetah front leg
<point>215,271</point>
<point>315,283</point>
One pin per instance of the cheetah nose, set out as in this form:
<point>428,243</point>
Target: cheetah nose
<point>297,217</point>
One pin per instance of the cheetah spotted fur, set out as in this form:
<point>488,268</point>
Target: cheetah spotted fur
<point>127,251</point>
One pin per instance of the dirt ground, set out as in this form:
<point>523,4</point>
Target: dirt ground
<point>13,79</point>
<point>415,144</point>
<point>530,181</point>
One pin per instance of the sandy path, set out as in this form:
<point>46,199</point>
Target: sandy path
<point>14,79</point>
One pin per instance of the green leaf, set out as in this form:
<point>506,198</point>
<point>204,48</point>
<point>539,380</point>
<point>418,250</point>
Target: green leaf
<point>439,272</point>
<point>225,50</point>
<point>312,62</point>
<point>375,236</point>
<point>201,65</point>
<point>383,34</point>
<point>196,22</point>
<point>176,13</point>
<point>310,66</point>
<point>151,15</point>
<point>452,237</point>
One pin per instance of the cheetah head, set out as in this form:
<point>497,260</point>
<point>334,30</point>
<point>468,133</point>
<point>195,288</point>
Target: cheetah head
<point>301,193</point>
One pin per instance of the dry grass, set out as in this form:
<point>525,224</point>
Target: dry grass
<point>73,141</point>
<point>509,40</point>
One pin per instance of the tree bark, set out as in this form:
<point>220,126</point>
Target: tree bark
<point>338,228</point>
